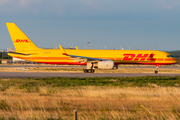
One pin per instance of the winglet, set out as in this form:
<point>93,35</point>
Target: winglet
<point>61,48</point>
<point>76,48</point>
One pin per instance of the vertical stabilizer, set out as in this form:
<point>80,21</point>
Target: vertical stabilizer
<point>20,40</point>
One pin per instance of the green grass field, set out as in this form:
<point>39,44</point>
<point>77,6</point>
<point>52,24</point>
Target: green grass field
<point>31,83</point>
<point>98,98</point>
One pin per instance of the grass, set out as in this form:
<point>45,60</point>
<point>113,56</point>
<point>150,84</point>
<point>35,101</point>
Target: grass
<point>33,84</point>
<point>115,98</point>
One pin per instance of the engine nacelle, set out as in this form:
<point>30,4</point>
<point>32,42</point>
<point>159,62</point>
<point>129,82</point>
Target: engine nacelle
<point>105,65</point>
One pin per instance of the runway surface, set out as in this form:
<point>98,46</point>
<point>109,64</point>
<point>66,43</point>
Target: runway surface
<point>45,74</point>
<point>65,74</point>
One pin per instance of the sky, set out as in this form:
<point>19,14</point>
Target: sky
<point>127,24</point>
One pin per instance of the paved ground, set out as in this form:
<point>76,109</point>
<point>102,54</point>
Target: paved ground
<point>45,74</point>
<point>52,74</point>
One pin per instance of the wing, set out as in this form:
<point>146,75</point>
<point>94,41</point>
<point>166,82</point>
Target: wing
<point>17,53</point>
<point>85,59</point>
<point>81,58</point>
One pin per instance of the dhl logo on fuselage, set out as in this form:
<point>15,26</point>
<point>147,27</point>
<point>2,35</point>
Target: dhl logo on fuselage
<point>141,57</point>
<point>22,41</point>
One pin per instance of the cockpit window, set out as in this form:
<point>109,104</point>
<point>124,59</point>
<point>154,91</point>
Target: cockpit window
<point>169,56</point>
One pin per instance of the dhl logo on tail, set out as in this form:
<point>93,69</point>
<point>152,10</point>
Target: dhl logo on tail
<point>22,41</point>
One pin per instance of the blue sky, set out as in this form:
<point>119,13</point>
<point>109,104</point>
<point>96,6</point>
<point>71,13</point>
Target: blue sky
<point>111,23</point>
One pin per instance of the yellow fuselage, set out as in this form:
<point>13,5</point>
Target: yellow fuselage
<point>55,56</point>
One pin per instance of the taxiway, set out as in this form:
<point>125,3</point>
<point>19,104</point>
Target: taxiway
<point>45,74</point>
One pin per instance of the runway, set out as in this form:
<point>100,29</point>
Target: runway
<point>46,74</point>
<point>15,74</point>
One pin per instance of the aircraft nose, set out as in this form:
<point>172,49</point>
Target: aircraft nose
<point>176,61</point>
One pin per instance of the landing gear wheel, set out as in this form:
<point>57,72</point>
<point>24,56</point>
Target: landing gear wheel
<point>92,70</point>
<point>85,70</point>
<point>89,70</point>
<point>156,72</point>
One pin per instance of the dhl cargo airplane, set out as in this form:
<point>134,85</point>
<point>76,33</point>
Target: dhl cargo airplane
<point>94,59</point>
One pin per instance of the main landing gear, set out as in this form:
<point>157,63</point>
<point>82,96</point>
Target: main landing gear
<point>89,70</point>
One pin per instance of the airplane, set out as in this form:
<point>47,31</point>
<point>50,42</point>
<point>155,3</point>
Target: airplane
<point>93,59</point>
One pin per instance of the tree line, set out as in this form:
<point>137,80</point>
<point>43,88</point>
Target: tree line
<point>4,55</point>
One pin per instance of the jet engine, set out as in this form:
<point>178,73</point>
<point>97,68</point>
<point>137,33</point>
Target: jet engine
<point>105,65</point>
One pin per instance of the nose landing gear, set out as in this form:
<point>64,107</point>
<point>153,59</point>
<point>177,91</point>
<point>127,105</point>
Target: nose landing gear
<point>156,71</point>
